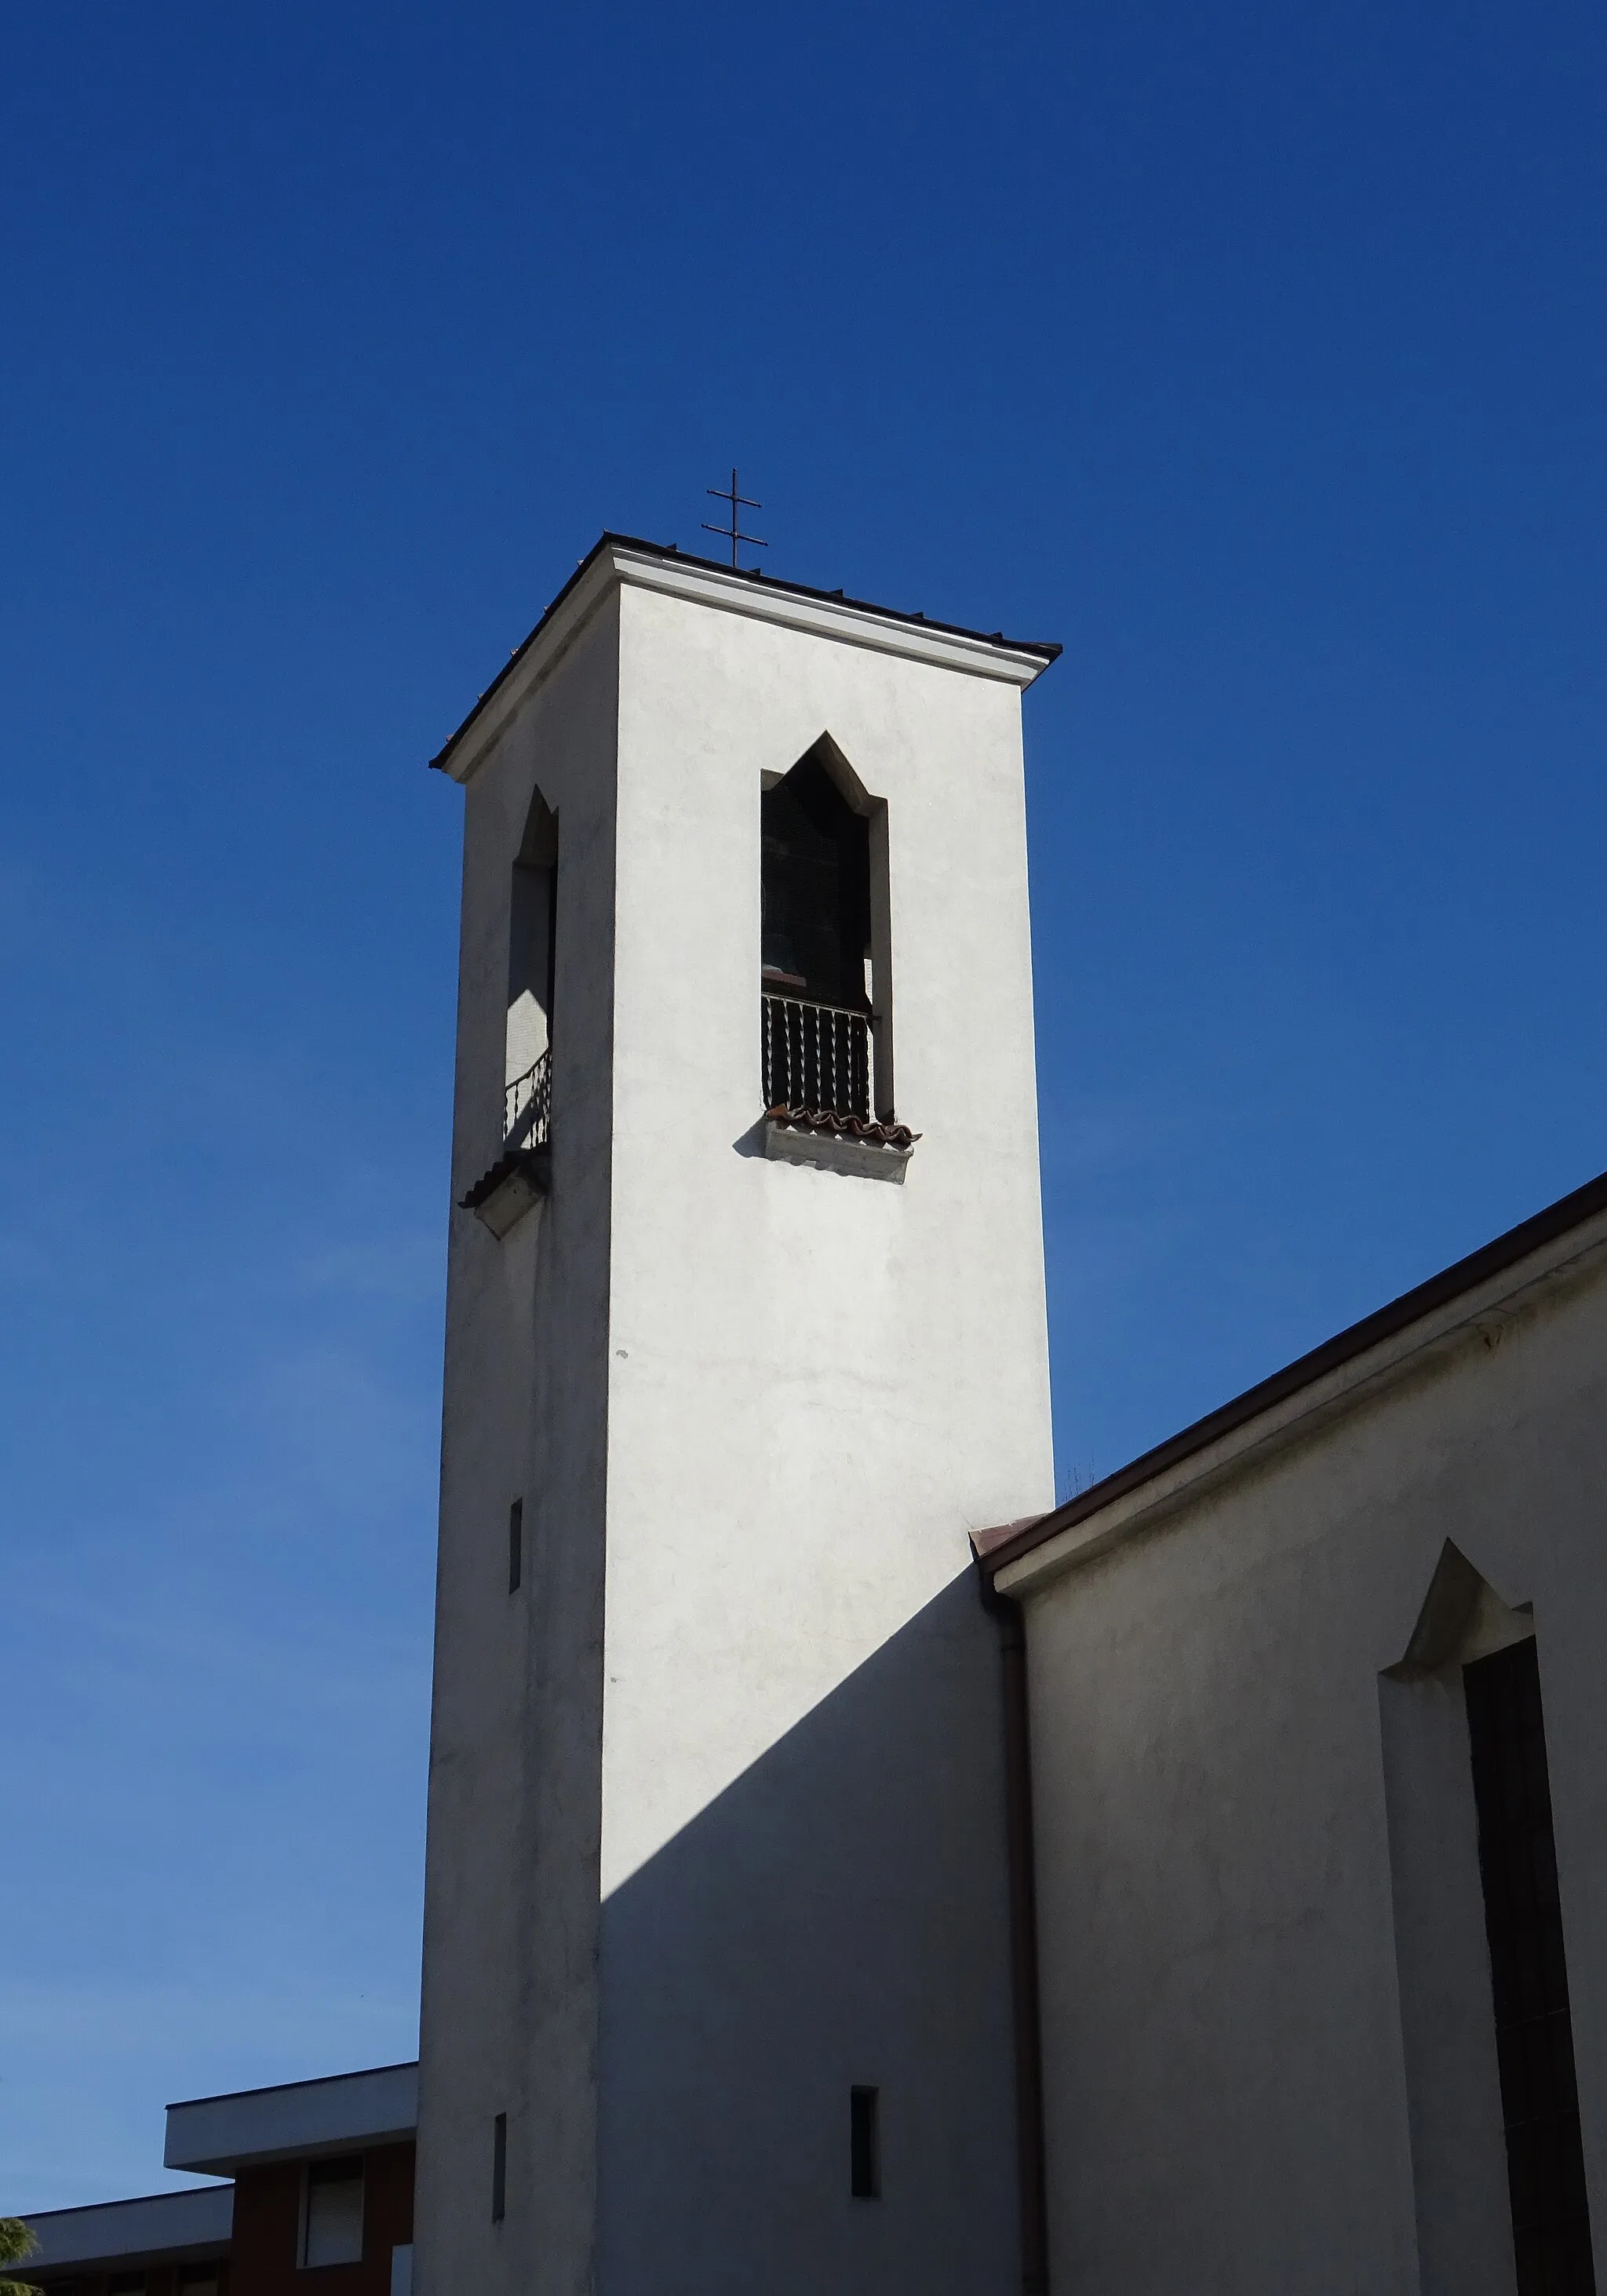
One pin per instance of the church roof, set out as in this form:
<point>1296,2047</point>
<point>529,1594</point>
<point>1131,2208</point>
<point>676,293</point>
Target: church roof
<point>1008,1543</point>
<point>1034,650</point>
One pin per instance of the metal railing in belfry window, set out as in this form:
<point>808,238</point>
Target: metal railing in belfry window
<point>526,1106</point>
<point>816,1057</point>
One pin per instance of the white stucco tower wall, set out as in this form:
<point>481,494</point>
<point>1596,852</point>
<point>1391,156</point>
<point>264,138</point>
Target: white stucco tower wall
<point>716,1813</point>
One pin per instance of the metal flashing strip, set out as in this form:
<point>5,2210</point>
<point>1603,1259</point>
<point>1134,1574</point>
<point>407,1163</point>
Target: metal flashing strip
<point>1487,1287</point>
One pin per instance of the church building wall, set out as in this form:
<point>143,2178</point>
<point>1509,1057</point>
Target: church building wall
<point>1255,1838</point>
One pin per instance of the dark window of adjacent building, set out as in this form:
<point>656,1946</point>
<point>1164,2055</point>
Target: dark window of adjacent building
<point>499,2168</point>
<point>331,2211</point>
<point>516,1545</point>
<point>865,2143</point>
<point>125,2284</point>
<point>1523,1920</point>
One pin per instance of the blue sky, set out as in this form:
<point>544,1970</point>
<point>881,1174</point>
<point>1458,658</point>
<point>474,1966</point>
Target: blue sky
<point>1256,353</point>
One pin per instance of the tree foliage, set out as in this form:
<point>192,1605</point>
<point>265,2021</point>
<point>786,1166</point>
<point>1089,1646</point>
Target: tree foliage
<point>16,2242</point>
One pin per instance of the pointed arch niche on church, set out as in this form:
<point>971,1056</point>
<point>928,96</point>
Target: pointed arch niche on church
<point>1496,2158</point>
<point>532,968</point>
<point>826,953</point>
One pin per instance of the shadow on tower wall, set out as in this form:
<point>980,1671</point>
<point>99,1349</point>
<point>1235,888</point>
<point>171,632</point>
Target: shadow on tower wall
<point>837,1917</point>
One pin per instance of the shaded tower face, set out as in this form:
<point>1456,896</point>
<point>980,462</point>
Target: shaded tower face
<point>716,1989</point>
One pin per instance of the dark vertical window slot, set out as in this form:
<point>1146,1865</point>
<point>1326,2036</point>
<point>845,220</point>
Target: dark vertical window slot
<point>1529,1975</point>
<point>865,2143</point>
<point>516,1545</point>
<point>499,2168</point>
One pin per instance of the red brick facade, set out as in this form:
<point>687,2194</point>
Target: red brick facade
<point>267,2220</point>
<point>263,2252</point>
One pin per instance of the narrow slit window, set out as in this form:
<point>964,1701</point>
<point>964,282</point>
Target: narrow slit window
<point>1529,1974</point>
<point>499,2168</point>
<point>516,1545</point>
<point>865,2143</point>
<point>332,2216</point>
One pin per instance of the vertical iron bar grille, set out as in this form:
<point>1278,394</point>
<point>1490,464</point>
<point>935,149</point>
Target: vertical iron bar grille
<point>816,1058</point>
<point>527,1110</point>
<point>1523,1921</point>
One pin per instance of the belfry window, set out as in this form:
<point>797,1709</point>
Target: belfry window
<point>532,947</point>
<point>823,1034</point>
<point>518,1174</point>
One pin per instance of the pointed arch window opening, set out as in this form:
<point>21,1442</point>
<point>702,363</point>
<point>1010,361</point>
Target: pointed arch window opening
<point>825,1007</point>
<point>1486,2016</point>
<point>532,966</point>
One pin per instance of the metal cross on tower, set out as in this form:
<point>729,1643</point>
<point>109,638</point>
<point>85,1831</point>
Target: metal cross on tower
<point>732,533</point>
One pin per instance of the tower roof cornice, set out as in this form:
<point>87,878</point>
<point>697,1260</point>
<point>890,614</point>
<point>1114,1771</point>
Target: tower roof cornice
<point>617,559</point>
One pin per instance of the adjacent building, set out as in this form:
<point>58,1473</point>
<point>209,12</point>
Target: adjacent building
<point>320,2181</point>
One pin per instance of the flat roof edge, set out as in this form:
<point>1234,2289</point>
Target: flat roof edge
<point>194,2220</point>
<point>230,2165</point>
<point>340,2112</point>
<point>180,2193</point>
<point>286,2088</point>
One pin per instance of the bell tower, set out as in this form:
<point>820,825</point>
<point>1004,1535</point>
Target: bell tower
<point>745,1335</point>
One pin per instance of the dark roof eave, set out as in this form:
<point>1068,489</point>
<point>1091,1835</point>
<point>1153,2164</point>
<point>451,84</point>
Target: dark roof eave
<point>1010,1541</point>
<point>1045,648</point>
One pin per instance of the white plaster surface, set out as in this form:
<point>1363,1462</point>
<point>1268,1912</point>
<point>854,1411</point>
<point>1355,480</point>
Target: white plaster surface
<point>117,2234</point>
<point>218,2134</point>
<point>716,1819</point>
<point>1269,2050</point>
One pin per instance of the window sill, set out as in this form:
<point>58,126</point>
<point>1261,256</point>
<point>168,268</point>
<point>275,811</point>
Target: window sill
<point>840,1144</point>
<point>516,1183</point>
